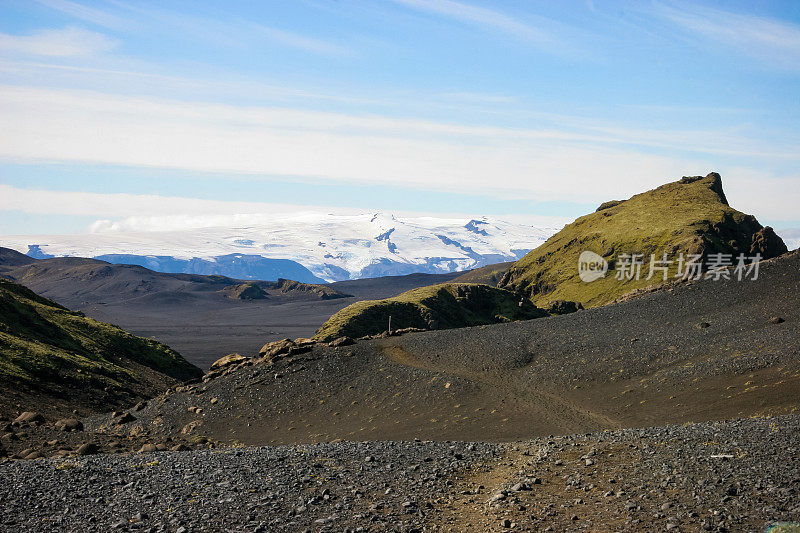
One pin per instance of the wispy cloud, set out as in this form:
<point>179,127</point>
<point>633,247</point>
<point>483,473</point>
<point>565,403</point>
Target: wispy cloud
<point>481,98</point>
<point>774,42</point>
<point>66,42</point>
<point>84,12</point>
<point>483,17</point>
<point>228,31</point>
<point>127,16</point>
<point>301,42</point>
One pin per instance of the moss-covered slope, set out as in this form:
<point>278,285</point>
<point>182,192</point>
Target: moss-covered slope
<point>49,350</point>
<point>691,216</point>
<point>448,305</point>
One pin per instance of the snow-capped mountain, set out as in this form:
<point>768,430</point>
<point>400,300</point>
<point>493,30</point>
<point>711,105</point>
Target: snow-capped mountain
<point>313,246</point>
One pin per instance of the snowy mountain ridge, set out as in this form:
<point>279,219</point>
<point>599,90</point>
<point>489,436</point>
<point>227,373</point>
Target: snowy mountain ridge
<point>331,247</point>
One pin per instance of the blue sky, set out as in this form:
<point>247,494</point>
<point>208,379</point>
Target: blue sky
<point>530,110</point>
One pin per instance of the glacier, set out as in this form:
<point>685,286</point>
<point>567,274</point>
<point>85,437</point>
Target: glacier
<point>309,247</point>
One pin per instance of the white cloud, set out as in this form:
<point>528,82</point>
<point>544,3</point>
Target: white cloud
<point>774,42</point>
<point>543,165</point>
<point>146,212</point>
<point>66,42</point>
<point>120,205</point>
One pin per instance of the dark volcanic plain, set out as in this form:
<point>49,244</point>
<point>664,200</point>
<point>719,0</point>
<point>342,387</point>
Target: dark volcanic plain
<point>191,313</point>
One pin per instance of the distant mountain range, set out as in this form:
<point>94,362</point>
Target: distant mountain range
<point>310,247</point>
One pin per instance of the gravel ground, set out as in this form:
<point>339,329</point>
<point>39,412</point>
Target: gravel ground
<point>739,475</point>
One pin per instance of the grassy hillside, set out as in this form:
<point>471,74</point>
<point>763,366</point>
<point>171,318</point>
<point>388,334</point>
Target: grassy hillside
<point>444,306</point>
<point>47,348</point>
<point>691,216</point>
<point>487,275</point>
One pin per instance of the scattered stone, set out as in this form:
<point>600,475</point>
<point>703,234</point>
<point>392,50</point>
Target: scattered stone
<point>148,448</point>
<point>341,341</point>
<point>89,448</point>
<point>68,424</point>
<point>28,417</point>
<point>123,418</point>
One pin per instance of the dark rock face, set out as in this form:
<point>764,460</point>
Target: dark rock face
<point>608,205</point>
<point>767,243</point>
<point>563,307</point>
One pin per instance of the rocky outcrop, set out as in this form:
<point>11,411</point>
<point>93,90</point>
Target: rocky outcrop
<point>690,216</point>
<point>228,360</point>
<point>767,243</point>
<point>245,291</point>
<point>445,306</point>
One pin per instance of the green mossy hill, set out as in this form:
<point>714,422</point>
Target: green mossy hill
<point>46,347</point>
<point>689,216</point>
<point>486,275</point>
<point>444,306</point>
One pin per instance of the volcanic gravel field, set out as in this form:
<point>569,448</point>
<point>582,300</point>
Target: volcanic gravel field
<point>739,475</point>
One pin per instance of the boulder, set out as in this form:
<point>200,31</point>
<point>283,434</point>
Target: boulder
<point>68,424</point>
<point>228,360</point>
<point>148,448</point>
<point>89,448</point>
<point>191,426</point>
<point>28,417</point>
<point>281,348</point>
<point>341,341</point>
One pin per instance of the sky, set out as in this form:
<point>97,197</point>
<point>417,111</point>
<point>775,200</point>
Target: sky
<point>533,111</point>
